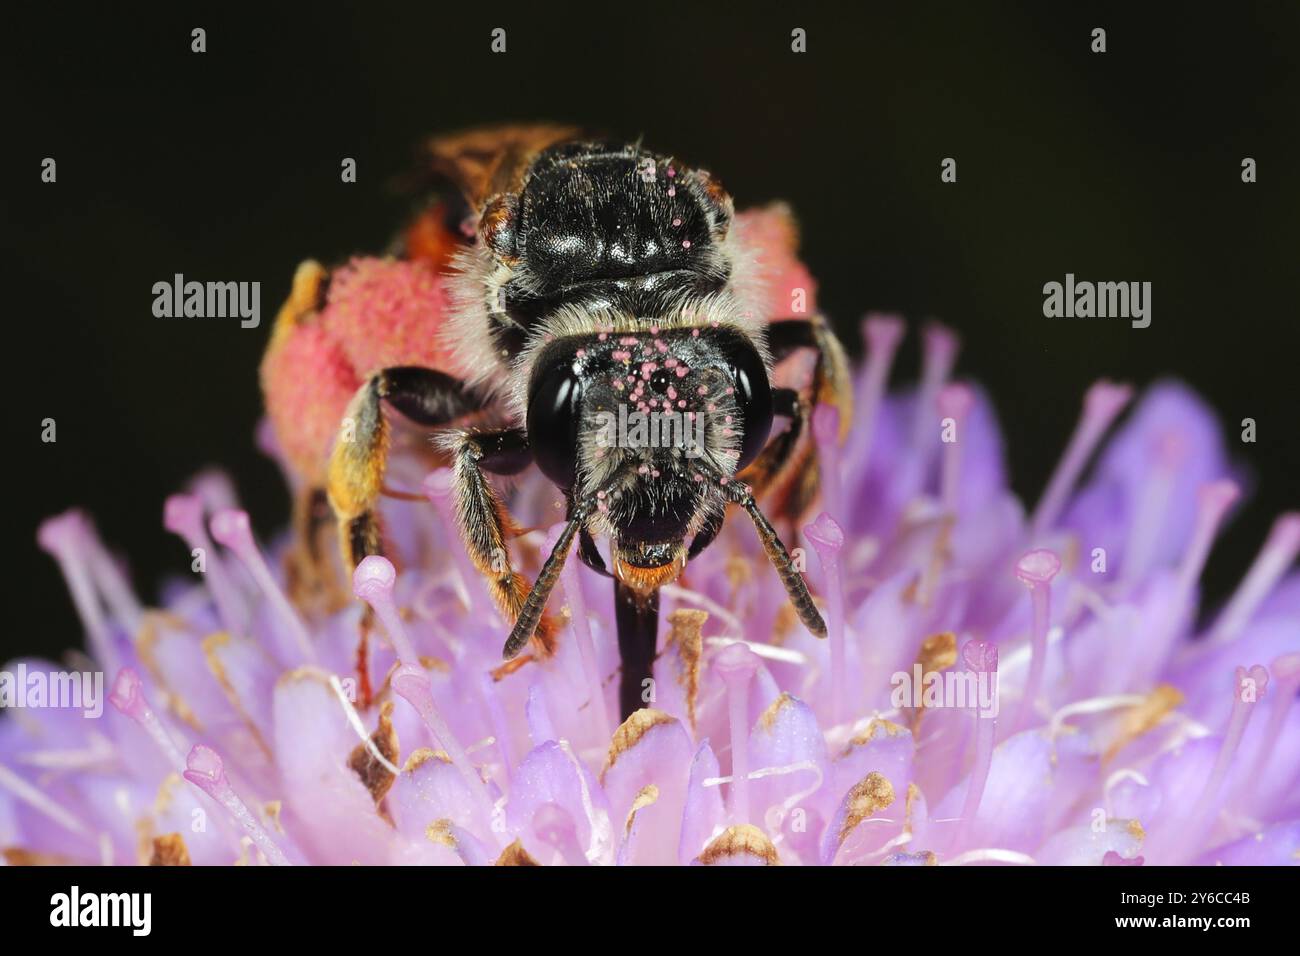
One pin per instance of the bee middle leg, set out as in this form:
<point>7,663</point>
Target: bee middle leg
<point>831,383</point>
<point>781,473</point>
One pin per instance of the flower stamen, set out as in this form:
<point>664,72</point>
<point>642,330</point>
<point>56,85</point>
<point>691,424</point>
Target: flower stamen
<point>982,658</point>
<point>1036,569</point>
<point>205,769</point>
<point>1104,401</point>
<point>1280,549</point>
<point>827,538</point>
<point>881,333</point>
<point>230,527</point>
<point>183,516</point>
<point>736,665</point>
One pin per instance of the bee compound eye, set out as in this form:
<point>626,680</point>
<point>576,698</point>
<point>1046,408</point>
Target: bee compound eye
<point>753,398</point>
<point>553,418</point>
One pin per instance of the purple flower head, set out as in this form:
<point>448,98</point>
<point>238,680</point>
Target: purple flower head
<point>997,686</point>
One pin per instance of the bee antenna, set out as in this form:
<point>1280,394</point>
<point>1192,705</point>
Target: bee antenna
<point>740,494</point>
<point>530,615</point>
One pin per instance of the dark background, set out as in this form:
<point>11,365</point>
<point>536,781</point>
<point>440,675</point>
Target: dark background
<point>225,165</point>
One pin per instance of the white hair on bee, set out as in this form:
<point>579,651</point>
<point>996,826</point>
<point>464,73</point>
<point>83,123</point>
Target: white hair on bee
<point>478,279</point>
<point>748,280</point>
<point>474,286</point>
<point>630,496</point>
<point>690,311</point>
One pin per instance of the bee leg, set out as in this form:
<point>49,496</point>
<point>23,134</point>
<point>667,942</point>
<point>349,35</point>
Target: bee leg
<point>783,473</point>
<point>360,456</point>
<point>704,537</point>
<point>780,474</point>
<point>589,554</point>
<point>831,382</point>
<point>484,521</point>
<point>356,469</point>
<point>790,577</point>
<point>312,579</point>
<point>637,615</point>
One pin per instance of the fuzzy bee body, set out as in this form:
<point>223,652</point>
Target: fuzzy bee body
<point>610,310</point>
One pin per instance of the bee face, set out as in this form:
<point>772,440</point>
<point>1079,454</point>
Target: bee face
<point>649,427</point>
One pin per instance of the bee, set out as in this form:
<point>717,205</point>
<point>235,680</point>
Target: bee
<point>606,310</point>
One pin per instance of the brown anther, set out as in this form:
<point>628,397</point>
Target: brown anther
<point>743,840</point>
<point>516,855</point>
<point>630,732</point>
<point>874,792</point>
<point>1143,717</point>
<point>375,773</point>
<point>169,850</point>
<point>686,624</point>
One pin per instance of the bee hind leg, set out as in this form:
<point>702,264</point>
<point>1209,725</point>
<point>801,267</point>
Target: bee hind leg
<point>312,575</point>
<point>355,478</point>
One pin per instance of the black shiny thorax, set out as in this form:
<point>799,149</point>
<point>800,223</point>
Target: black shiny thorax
<point>604,226</point>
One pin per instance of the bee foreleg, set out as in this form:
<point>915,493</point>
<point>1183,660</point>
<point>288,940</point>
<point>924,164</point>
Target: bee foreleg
<point>483,519</point>
<point>779,474</point>
<point>530,615</point>
<point>589,553</point>
<point>704,537</point>
<point>780,558</point>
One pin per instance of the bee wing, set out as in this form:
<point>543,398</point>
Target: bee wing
<point>490,160</point>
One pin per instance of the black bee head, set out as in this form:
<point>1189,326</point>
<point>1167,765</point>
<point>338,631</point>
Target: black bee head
<point>643,426</point>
